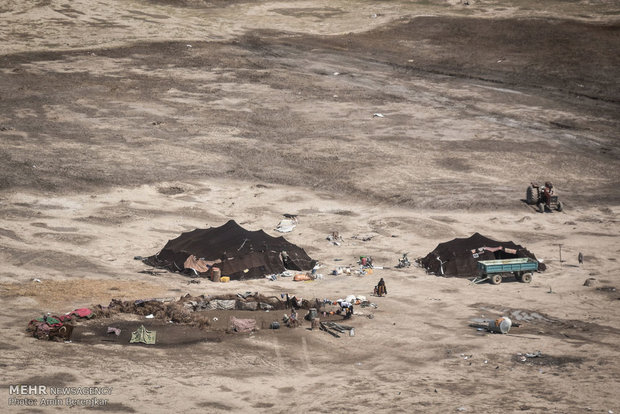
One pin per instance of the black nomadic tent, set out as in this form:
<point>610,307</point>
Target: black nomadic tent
<point>239,253</point>
<point>459,257</point>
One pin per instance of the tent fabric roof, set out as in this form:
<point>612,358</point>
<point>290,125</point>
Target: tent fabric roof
<point>243,254</point>
<point>459,257</point>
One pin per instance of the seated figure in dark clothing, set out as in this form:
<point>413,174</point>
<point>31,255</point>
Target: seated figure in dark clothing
<point>381,289</point>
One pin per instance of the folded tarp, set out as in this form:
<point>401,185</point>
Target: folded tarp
<point>242,325</point>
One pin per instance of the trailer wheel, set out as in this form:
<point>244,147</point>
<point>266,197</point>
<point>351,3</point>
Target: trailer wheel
<point>526,278</point>
<point>541,207</point>
<point>529,196</point>
<point>559,207</point>
<point>496,279</point>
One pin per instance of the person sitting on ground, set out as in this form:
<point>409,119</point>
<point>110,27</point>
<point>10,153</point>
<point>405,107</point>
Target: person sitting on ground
<point>292,320</point>
<point>347,307</point>
<point>349,311</point>
<point>547,193</point>
<point>381,289</point>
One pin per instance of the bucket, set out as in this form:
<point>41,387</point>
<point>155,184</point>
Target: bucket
<point>316,323</point>
<point>216,274</point>
<point>225,279</point>
<point>500,325</point>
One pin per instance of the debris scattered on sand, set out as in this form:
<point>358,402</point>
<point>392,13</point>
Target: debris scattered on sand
<point>115,331</point>
<point>335,238</point>
<point>286,225</point>
<point>403,261</point>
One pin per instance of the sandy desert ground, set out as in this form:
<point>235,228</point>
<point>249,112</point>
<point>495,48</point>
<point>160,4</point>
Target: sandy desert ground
<point>125,123</point>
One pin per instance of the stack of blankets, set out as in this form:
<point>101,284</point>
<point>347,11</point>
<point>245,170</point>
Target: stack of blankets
<point>57,328</point>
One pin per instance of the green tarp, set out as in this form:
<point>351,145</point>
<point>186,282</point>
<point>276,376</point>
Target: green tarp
<point>143,336</point>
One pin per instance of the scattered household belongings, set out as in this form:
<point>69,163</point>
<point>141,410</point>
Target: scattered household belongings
<point>242,325</point>
<point>144,336</point>
<point>403,261</point>
<point>363,237</point>
<point>365,262</point>
<point>190,311</point>
<point>238,253</point>
<point>335,238</point>
<point>53,328</point>
<point>494,270</point>
<point>275,276</point>
<point>459,257</point>
<point>58,328</point>
<point>341,270</point>
<point>287,225</point>
<point>378,115</point>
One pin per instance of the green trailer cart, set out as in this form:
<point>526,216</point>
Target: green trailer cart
<point>494,270</point>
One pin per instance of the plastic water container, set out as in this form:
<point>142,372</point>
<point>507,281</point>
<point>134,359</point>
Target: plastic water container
<point>216,274</point>
<point>500,325</point>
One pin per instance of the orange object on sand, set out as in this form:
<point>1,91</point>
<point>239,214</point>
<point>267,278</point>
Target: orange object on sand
<point>301,277</point>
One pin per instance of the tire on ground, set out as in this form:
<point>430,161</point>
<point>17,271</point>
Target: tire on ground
<point>529,196</point>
